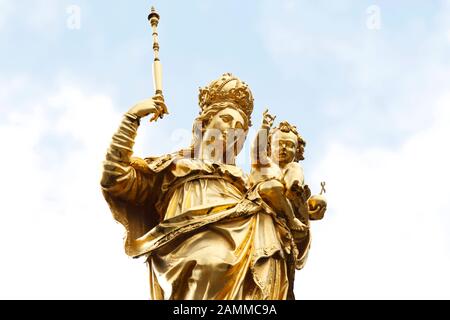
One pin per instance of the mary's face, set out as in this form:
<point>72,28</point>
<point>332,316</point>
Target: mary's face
<point>227,131</point>
<point>228,118</point>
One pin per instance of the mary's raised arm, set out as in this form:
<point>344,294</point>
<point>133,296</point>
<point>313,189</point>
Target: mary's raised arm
<point>128,184</point>
<point>121,177</point>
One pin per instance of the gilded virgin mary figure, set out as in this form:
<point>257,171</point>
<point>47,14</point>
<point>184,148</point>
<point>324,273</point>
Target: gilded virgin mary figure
<point>188,213</point>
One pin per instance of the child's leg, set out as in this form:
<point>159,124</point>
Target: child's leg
<point>272,192</point>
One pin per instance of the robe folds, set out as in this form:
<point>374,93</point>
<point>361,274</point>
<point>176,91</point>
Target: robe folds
<point>202,237</point>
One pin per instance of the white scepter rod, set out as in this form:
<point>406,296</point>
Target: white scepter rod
<point>153,18</point>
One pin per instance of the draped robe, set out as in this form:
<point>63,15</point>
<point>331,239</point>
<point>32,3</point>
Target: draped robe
<point>202,236</point>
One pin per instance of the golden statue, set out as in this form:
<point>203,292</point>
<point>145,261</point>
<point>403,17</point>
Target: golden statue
<point>205,228</point>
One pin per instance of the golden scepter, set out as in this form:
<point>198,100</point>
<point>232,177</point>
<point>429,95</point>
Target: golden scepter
<point>153,18</point>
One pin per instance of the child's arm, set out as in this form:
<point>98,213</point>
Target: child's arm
<point>259,154</point>
<point>296,190</point>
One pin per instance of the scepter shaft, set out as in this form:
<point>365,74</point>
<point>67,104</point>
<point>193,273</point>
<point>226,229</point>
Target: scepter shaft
<point>153,18</point>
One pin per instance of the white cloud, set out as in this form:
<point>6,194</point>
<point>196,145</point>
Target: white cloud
<point>58,238</point>
<point>387,233</point>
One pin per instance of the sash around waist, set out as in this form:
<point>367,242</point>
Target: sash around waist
<point>168,189</point>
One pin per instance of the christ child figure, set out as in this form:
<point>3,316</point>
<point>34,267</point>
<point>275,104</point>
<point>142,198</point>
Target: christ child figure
<point>276,175</point>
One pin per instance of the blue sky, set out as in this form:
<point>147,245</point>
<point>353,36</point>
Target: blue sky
<point>300,59</point>
<point>372,104</point>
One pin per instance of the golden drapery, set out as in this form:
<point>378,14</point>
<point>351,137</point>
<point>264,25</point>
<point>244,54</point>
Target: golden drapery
<point>202,236</point>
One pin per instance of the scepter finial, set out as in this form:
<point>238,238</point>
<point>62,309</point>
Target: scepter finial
<point>153,18</point>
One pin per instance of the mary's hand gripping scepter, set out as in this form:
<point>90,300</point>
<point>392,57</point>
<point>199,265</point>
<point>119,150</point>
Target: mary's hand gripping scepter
<point>153,18</point>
